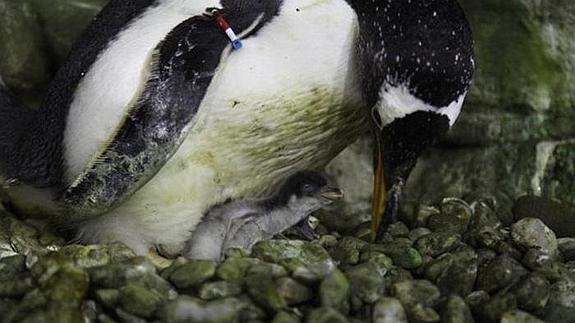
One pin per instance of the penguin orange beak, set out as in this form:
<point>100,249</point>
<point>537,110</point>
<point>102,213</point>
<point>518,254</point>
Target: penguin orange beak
<point>396,149</point>
<point>379,194</point>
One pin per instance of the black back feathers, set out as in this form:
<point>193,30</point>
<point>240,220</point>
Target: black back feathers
<point>425,45</point>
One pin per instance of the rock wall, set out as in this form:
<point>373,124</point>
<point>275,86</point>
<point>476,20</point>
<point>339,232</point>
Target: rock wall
<point>516,134</point>
<point>35,37</point>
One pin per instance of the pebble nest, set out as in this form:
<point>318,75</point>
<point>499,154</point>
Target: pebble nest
<point>453,262</point>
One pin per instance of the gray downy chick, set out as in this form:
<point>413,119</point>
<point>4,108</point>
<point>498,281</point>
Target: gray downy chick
<point>242,223</point>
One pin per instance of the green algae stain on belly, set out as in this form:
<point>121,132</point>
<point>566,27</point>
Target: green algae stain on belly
<point>267,138</point>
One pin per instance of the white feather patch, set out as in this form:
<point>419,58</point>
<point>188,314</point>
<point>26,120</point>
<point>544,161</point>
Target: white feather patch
<point>395,102</point>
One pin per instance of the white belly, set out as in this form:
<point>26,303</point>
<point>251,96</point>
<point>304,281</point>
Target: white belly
<point>282,103</point>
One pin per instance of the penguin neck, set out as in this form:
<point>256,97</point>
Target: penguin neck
<point>281,218</point>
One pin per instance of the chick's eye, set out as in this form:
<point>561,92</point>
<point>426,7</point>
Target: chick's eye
<point>307,189</point>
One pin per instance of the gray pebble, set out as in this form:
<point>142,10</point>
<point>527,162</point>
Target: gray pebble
<point>518,316</point>
<point>219,289</point>
<point>389,310</point>
<point>532,292</point>
<point>501,272</point>
<point>193,273</point>
<point>326,315</point>
<point>334,291</point>
<point>418,233</point>
<point>293,292</point>
<point>413,292</point>
<point>530,233</point>
<point>435,244</point>
<point>567,248</point>
<point>366,281</point>
<point>456,311</point>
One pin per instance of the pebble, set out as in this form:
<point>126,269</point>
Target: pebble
<point>107,297</point>
<point>532,292</point>
<point>397,274</point>
<point>567,248</point>
<point>267,269</point>
<point>476,300</point>
<point>286,317</point>
<point>219,289</point>
<point>263,290</point>
<point>460,276</point>
<point>483,216</point>
<point>424,212</point>
<point>530,233</point>
<point>413,292</point>
<point>421,314</point>
<point>309,258</point>
<point>401,253</point>
<point>545,264</point>
<point>556,216</point>
<point>561,304</point>
<point>193,274</point>
<point>326,315</point>
<point>347,250</point>
<point>498,305</point>
<point>418,233</point>
<point>456,311</point>
<point>518,316</point>
<point>334,291</point>
<point>435,244</point>
<point>189,309</point>
<point>17,287</point>
<point>292,291</point>
<point>366,281</point>
<point>87,256</point>
<point>501,272</point>
<point>389,310</point>
<point>454,217</point>
<point>485,237</point>
<point>234,268</point>
<point>398,230</point>
<point>504,248</point>
<point>66,287</point>
<point>139,300</point>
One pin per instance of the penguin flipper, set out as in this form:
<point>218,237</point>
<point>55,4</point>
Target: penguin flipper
<point>183,66</point>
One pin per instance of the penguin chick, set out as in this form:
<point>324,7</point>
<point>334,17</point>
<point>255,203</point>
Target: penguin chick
<point>242,223</point>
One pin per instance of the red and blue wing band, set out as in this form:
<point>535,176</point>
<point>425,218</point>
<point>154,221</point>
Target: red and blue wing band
<point>225,26</point>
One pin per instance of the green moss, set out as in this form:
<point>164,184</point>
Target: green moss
<point>514,66</point>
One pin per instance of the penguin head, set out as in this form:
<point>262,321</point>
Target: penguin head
<point>307,190</point>
<point>414,56</point>
<point>422,70</point>
<point>415,65</point>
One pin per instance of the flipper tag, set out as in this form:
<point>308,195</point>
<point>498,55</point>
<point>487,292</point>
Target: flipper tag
<point>225,26</point>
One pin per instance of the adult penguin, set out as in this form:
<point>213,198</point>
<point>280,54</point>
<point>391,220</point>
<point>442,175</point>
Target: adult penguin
<point>155,117</point>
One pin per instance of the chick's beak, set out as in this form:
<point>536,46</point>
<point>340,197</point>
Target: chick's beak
<point>332,193</point>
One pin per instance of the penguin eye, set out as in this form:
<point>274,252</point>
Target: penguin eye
<point>307,189</point>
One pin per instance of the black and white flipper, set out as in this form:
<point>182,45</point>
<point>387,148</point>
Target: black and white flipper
<point>181,70</point>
